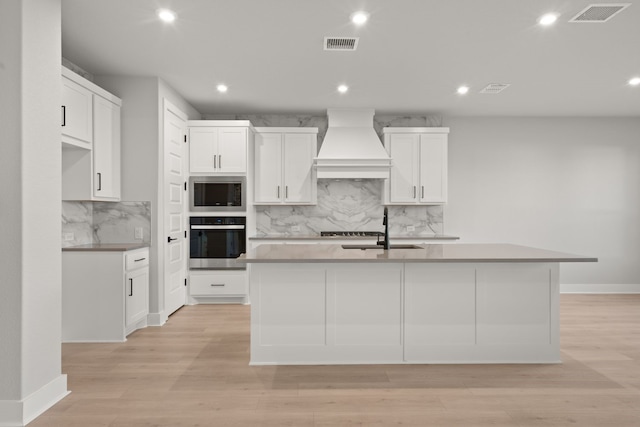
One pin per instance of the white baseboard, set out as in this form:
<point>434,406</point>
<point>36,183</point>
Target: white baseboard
<point>156,319</point>
<point>594,288</point>
<point>18,413</point>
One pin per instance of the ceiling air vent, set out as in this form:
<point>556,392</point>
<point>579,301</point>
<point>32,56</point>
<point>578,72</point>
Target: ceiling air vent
<point>340,43</point>
<point>495,87</point>
<point>600,12</point>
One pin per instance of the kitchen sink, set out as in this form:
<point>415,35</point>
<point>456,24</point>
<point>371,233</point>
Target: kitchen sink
<point>363,247</point>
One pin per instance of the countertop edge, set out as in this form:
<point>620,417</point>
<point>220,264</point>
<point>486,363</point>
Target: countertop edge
<point>106,247</point>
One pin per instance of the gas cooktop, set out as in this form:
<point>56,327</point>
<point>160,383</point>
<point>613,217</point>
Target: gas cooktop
<point>351,233</point>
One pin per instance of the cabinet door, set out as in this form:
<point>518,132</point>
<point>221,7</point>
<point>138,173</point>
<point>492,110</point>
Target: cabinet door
<point>268,168</point>
<point>106,149</point>
<point>136,296</point>
<point>203,145</point>
<point>403,181</point>
<point>299,151</point>
<point>433,168</point>
<point>76,114</point>
<point>232,150</point>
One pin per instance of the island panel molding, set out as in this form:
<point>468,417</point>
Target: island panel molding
<point>462,303</point>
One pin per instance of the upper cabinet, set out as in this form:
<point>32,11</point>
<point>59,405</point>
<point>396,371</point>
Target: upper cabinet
<point>284,172</point>
<point>419,166</point>
<point>91,140</point>
<point>219,146</point>
<point>77,114</point>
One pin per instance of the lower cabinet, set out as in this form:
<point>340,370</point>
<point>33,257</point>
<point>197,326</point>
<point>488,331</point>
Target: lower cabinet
<point>218,286</point>
<point>105,294</point>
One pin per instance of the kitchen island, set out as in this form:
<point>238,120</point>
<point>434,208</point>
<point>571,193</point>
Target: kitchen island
<point>436,303</point>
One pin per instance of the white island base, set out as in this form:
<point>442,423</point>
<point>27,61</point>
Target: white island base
<point>404,312</point>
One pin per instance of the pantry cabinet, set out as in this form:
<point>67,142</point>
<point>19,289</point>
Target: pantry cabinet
<point>419,166</point>
<point>91,141</point>
<point>284,172</point>
<point>219,146</point>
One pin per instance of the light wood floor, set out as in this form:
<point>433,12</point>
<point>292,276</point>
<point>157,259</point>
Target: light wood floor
<point>194,372</point>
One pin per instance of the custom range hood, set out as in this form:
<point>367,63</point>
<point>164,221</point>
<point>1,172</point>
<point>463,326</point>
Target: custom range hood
<point>351,148</point>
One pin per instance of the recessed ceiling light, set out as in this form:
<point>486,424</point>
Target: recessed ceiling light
<point>548,19</point>
<point>462,90</point>
<point>222,88</point>
<point>634,81</point>
<point>343,88</point>
<point>166,15</point>
<point>359,18</point>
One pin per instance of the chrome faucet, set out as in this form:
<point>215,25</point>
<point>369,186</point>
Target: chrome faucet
<point>385,221</point>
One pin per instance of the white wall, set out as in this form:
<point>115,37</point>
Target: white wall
<point>566,184</point>
<point>30,294</point>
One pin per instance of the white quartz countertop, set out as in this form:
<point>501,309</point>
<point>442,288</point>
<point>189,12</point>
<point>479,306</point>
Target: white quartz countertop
<point>456,252</point>
<point>367,238</point>
<point>110,247</point>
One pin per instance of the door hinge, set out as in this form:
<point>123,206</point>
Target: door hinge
<point>185,138</point>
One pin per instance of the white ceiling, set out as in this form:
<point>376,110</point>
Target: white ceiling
<point>411,57</point>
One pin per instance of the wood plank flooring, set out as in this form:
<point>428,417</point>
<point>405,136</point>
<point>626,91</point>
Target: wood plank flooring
<point>194,372</point>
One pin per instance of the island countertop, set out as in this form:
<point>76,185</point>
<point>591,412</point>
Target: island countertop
<point>427,253</point>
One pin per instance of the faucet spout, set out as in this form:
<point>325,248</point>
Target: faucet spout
<point>385,221</point>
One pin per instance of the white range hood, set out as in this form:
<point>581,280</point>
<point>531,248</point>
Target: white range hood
<point>351,148</point>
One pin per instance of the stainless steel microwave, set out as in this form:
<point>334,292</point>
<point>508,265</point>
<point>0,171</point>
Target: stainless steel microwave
<point>217,193</point>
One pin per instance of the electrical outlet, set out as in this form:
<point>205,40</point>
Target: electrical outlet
<point>411,228</point>
<point>69,237</point>
<point>295,228</point>
<point>138,233</point>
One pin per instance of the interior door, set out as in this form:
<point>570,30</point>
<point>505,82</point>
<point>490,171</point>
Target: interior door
<point>175,247</point>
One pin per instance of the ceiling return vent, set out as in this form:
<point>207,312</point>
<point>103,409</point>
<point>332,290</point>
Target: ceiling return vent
<point>340,43</point>
<point>600,12</point>
<point>495,88</point>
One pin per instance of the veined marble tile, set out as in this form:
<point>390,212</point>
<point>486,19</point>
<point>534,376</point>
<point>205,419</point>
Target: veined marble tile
<point>105,222</point>
<point>77,218</point>
<point>116,222</point>
<point>348,205</point>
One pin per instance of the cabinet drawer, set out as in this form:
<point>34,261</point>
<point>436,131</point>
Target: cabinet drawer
<point>219,283</point>
<point>137,259</point>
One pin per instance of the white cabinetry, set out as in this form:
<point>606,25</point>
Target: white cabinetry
<point>419,166</point>
<point>91,141</point>
<point>105,294</point>
<point>219,146</point>
<point>284,172</point>
<point>218,285</point>
<point>77,113</point>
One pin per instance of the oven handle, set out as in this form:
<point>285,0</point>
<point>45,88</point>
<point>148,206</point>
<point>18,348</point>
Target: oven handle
<point>217,227</point>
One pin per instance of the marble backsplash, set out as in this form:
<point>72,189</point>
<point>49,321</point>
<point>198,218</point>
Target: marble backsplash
<point>105,222</point>
<point>348,205</point>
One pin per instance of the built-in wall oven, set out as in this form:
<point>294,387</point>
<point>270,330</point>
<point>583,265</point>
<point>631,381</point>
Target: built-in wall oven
<point>216,242</point>
<point>217,193</point>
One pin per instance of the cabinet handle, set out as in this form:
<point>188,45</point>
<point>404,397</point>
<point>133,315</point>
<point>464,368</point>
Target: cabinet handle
<point>414,191</point>
<point>278,191</point>
<point>139,259</point>
<point>217,284</point>
<point>286,191</point>
<point>99,181</point>
<point>214,161</point>
<point>423,191</point>
<point>64,115</point>
<point>220,161</point>
<point>131,284</point>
